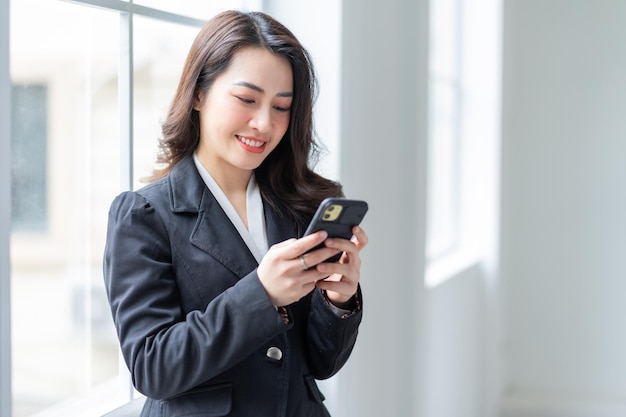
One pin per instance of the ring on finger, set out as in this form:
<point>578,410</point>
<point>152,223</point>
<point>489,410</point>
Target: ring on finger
<point>303,263</point>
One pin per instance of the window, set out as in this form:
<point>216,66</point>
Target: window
<point>445,128</point>
<point>464,124</point>
<point>90,86</point>
<point>29,112</point>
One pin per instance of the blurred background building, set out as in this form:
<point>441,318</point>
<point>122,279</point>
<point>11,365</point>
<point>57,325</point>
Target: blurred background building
<point>488,137</point>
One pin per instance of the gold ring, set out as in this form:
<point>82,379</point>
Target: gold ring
<point>303,263</point>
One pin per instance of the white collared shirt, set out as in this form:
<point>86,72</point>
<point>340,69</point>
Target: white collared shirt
<point>255,236</point>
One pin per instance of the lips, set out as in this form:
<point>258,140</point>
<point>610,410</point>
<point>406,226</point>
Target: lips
<point>251,144</point>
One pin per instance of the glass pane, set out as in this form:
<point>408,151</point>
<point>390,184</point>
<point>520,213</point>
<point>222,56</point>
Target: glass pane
<point>65,171</point>
<point>29,109</point>
<point>444,38</point>
<point>443,170</point>
<point>160,52</point>
<point>444,120</point>
<point>200,9</point>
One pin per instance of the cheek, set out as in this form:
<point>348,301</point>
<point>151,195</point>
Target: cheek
<point>234,114</point>
<point>221,117</point>
<point>281,124</point>
<point>225,112</point>
<point>225,123</point>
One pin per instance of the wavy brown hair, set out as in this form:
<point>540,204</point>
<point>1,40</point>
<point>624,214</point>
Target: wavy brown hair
<point>286,179</point>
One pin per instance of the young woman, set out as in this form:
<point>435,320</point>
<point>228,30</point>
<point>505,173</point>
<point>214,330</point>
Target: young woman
<point>218,309</point>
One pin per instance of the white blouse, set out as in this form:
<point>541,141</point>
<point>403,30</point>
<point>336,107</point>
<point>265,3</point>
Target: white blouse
<point>255,236</point>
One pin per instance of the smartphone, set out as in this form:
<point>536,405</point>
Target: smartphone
<point>337,216</point>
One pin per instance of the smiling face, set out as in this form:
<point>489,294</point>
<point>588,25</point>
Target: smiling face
<point>245,112</point>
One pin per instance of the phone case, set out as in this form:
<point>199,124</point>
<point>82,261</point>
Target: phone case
<point>337,216</point>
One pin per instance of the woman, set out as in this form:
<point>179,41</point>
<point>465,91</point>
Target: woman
<point>217,308</point>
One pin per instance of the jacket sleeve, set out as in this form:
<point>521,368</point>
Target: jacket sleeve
<point>168,352</point>
<point>330,339</point>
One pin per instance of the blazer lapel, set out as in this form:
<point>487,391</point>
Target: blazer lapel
<point>278,228</point>
<point>213,232</point>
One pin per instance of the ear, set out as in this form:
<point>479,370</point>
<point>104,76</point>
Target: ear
<point>198,100</point>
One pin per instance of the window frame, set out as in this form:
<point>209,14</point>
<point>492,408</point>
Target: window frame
<point>476,173</point>
<point>5,214</point>
<point>438,246</point>
<point>127,10</point>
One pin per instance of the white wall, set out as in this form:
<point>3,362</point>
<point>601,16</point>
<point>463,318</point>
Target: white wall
<point>317,25</point>
<point>421,351</point>
<point>464,366</point>
<point>457,337</point>
<point>563,207</point>
<point>383,139</point>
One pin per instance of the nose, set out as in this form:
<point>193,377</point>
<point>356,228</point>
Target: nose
<point>261,120</point>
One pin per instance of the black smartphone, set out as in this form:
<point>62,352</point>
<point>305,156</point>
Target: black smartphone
<point>337,216</point>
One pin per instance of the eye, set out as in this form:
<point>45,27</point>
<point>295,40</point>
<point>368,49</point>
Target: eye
<point>282,109</point>
<point>245,100</point>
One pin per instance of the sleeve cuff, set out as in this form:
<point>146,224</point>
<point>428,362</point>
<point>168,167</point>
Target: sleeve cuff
<point>341,312</point>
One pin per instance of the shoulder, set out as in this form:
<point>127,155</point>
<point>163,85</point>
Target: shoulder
<point>180,190</point>
<point>131,211</point>
<point>158,192</point>
<point>128,202</point>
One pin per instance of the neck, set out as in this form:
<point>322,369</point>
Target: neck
<point>231,180</point>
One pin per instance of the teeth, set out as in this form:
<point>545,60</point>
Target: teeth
<point>249,142</point>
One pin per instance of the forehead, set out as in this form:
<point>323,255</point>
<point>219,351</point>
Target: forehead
<point>261,67</point>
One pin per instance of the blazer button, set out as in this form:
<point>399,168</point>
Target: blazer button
<point>274,354</point>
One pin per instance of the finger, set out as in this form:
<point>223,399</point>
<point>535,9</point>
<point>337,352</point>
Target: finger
<point>307,287</point>
<point>346,289</point>
<point>303,262</point>
<point>304,244</point>
<point>342,245</point>
<point>284,243</point>
<point>319,255</point>
<point>292,248</point>
<point>360,238</point>
<point>336,271</point>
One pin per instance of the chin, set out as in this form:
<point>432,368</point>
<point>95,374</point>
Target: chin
<point>249,165</point>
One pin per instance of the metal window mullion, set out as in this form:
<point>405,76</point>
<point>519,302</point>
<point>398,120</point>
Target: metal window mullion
<point>5,214</point>
<point>458,130</point>
<point>126,100</point>
<point>126,104</point>
<point>135,9</point>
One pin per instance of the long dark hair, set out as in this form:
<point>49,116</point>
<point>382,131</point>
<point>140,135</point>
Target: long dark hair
<point>285,177</point>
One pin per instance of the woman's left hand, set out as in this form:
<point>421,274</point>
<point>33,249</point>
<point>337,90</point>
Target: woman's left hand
<point>343,281</point>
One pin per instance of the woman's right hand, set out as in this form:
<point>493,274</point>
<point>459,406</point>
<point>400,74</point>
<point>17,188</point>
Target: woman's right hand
<point>282,272</point>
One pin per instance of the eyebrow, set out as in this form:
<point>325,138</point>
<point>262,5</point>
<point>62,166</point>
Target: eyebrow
<point>260,90</point>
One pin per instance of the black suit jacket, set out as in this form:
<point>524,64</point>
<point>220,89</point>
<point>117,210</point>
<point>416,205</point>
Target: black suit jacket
<point>194,322</point>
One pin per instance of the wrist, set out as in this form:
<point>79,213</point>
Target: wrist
<point>345,309</point>
<point>345,304</point>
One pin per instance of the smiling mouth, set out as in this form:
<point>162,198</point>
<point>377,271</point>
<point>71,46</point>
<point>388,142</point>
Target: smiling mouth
<point>250,142</point>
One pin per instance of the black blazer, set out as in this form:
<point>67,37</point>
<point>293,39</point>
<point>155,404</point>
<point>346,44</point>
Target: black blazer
<point>197,330</point>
